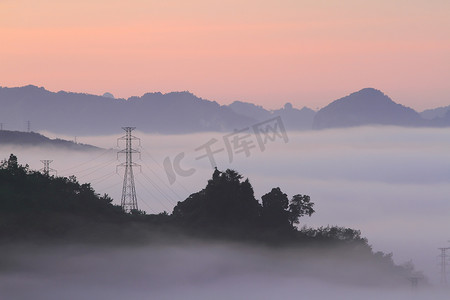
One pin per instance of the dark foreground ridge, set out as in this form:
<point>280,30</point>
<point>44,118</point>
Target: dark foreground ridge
<point>38,208</point>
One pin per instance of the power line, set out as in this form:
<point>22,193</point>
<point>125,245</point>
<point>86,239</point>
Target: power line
<point>162,168</point>
<point>167,197</point>
<point>152,195</point>
<point>88,161</point>
<point>101,179</point>
<point>162,181</point>
<point>107,187</point>
<point>96,168</point>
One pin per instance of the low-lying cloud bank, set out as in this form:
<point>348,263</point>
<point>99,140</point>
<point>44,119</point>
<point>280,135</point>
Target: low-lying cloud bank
<point>391,183</point>
<point>193,270</point>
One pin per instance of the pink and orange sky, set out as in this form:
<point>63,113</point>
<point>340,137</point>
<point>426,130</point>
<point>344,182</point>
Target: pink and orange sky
<point>307,52</point>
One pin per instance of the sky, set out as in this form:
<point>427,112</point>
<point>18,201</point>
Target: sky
<point>307,52</point>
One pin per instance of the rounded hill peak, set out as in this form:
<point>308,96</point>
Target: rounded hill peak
<point>368,95</point>
<point>368,106</point>
<point>369,91</point>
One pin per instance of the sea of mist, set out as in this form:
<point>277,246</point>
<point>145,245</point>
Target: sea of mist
<point>188,270</point>
<point>391,183</point>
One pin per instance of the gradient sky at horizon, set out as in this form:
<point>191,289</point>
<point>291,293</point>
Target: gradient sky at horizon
<point>306,52</point>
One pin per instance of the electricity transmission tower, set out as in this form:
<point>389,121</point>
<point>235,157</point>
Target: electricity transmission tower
<point>46,169</point>
<point>28,126</point>
<point>129,199</point>
<point>444,263</point>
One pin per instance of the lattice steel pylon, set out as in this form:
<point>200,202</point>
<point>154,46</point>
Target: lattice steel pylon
<point>46,169</point>
<point>129,198</point>
<point>444,263</point>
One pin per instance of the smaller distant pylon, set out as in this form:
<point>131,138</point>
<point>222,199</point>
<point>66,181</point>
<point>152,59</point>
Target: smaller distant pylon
<point>46,169</point>
<point>444,263</point>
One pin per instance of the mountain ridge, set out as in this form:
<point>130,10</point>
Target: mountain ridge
<point>86,114</point>
<point>21,138</point>
<point>183,112</point>
<point>368,106</point>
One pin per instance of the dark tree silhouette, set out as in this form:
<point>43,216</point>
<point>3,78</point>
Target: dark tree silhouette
<point>43,201</point>
<point>277,211</point>
<point>226,199</point>
<point>11,163</point>
<point>300,205</point>
<point>274,208</point>
<point>229,200</point>
<point>13,167</point>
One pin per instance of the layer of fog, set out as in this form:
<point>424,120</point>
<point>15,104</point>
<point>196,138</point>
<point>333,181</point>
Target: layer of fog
<point>190,270</point>
<point>391,183</point>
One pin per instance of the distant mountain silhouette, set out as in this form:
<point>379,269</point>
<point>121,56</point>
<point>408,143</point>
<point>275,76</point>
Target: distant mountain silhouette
<point>183,112</point>
<point>84,114</point>
<point>435,113</point>
<point>293,119</point>
<point>366,107</point>
<point>443,121</point>
<point>296,119</point>
<point>250,110</point>
<point>35,139</point>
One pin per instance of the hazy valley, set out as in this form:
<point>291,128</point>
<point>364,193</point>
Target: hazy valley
<point>390,182</point>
